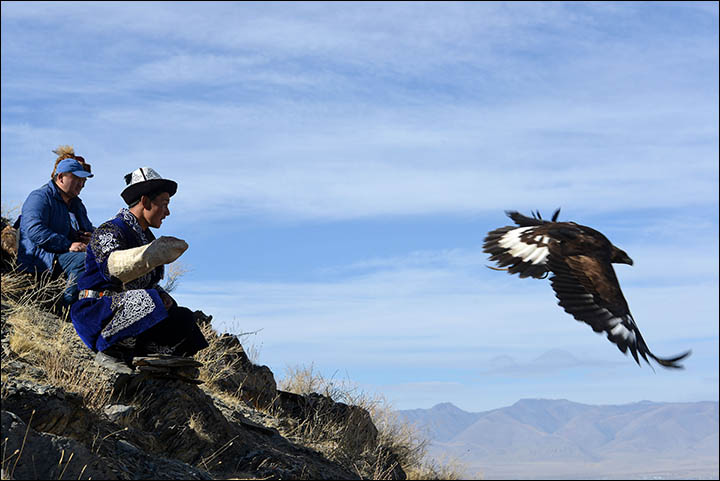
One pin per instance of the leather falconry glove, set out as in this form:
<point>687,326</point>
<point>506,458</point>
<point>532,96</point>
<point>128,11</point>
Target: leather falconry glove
<point>129,264</point>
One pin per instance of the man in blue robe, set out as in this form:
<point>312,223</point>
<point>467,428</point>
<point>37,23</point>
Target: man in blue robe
<point>122,311</point>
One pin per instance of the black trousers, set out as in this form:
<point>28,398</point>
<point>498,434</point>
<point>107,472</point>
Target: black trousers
<point>178,335</point>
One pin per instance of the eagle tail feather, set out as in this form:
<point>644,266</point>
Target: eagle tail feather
<point>670,362</point>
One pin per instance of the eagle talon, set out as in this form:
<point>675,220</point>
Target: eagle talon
<point>498,268</point>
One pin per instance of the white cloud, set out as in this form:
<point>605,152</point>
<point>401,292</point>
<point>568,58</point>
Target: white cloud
<point>329,112</point>
<point>293,161</point>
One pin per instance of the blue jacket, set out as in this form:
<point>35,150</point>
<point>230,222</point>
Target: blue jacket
<point>45,229</point>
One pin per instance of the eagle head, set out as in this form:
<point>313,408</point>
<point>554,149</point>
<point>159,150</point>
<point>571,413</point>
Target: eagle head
<point>619,256</point>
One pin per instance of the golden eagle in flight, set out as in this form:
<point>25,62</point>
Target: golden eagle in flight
<point>580,261</point>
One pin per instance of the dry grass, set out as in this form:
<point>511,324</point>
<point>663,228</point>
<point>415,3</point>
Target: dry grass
<point>173,273</point>
<point>305,380</point>
<point>219,361</point>
<point>21,290</point>
<point>196,424</point>
<point>398,443</point>
<point>44,341</point>
<point>451,469</point>
<point>50,348</point>
<point>27,339</point>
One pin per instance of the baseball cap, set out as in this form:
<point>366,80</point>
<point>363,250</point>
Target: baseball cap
<point>72,166</point>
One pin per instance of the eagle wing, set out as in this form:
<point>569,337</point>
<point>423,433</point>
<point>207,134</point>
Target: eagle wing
<point>523,250</point>
<point>588,289</point>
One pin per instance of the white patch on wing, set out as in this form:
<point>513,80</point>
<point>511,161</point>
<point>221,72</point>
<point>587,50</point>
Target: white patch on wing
<point>539,256</point>
<point>624,332</point>
<point>527,252</point>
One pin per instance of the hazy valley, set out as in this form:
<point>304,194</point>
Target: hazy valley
<point>560,439</point>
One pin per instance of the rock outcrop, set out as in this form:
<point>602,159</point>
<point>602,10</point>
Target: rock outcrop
<point>64,417</point>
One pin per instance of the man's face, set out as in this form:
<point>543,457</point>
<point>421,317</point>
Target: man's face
<point>70,184</point>
<point>158,210</point>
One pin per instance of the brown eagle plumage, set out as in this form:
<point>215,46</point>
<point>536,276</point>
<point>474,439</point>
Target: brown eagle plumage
<point>580,261</point>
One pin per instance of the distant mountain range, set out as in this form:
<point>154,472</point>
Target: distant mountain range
<point>560,439</point>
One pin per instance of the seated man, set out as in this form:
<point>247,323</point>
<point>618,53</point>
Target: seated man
<point>122,312</point>
<point>54,226</point>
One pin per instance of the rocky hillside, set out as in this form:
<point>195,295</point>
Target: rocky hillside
<point>63,417</point>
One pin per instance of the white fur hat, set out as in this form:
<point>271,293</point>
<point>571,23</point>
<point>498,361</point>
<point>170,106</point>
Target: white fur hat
<point>143,181</point>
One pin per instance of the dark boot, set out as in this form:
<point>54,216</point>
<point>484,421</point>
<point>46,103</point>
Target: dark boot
<point>115,359</point>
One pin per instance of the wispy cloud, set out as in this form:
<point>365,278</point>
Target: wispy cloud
<point>287,162</point>
<point>340,112</point>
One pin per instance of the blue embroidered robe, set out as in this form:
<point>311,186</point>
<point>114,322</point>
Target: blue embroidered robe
<point>132,308</point>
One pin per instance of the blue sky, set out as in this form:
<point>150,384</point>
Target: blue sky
<point>339,165</point>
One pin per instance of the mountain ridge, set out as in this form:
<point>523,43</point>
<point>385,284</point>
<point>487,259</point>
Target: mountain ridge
<point>536,437</point>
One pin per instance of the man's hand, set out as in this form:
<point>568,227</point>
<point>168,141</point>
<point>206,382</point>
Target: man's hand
<point>167,299</point>
<point>78,247</point>
<point>84,237</point>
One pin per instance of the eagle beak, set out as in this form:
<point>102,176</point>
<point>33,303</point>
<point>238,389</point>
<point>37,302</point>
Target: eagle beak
<point>619,256</point>
<point>625,259</point>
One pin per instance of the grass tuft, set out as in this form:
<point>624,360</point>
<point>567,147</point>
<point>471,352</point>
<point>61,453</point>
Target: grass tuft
<point>398,443</point>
